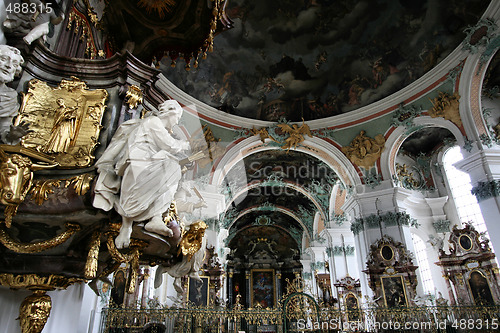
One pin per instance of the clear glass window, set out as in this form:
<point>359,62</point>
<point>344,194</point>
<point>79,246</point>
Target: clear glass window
<point>423,264</point>
<point>460,185</point>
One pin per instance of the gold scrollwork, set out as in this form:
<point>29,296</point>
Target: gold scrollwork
<point>81,183</point>
<point>133,96</point>
<point>13,245</point>
<point>37,282</point>
<point>41,189</point>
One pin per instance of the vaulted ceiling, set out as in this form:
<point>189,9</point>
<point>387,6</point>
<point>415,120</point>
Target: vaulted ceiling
<point>313,59</point>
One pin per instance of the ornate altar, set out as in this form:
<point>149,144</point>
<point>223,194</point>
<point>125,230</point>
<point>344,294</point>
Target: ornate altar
<point>349,294</point>
<point>391,273</point>
<point>471,268</point>
<point>324,284</point>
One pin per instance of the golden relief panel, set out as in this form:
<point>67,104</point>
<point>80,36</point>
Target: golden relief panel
<point>65,121</point>
<point>365,151</point>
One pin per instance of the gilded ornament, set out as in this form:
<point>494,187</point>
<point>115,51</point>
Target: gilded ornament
<point>41,189</point>
<point>65,120</point>
<point>13,245</point>
<point>93,256</point>
<point>192,239</point>
<point>447,107</point>
<point>365,151</point>
<point>406,177</point>
<point>16,175</point>
<point>291,136</point>
<point>134,96</point>
<point>132,259</point>
<point>77,22</point>
<point>34,312</point>
<point>37,282</point>
<point>296,134</point>
<point>81,183</point>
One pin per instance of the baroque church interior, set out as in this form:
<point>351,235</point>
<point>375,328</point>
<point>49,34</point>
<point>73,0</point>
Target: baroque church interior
<point>249,166</point>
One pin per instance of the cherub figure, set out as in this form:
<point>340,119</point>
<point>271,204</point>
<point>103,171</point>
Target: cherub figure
<point>296,134</point>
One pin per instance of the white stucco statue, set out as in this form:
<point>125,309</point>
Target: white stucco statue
<point>139,171</point>
<point>10,66</point>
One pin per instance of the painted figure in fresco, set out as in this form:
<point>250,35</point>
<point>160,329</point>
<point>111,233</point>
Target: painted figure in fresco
<point>10,66</point>
<point>140,171</point>
<point>64,129</point>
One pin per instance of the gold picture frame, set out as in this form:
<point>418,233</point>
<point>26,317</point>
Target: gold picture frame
<point>394,291</point>
<point>263,288</point>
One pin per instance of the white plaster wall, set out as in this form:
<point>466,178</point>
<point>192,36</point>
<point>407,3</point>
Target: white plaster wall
<point>71,309</point>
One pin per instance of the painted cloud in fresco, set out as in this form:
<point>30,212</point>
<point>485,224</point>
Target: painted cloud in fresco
<point>323,57</point>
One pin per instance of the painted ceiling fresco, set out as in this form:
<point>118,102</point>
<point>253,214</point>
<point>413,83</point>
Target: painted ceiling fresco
<point>317,58</point>
<point>426,140</point>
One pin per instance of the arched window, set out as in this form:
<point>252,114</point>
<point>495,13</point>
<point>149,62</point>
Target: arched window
<point>466,203</point>
<point>423,264</point>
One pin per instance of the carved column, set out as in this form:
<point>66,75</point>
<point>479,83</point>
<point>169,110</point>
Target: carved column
<point>230,287</point>
<point>145,288</point>
<point>278,285</point>
<point>248,288</point>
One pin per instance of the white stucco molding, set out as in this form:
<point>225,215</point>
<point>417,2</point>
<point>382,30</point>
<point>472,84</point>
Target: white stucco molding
<point>316,147</point>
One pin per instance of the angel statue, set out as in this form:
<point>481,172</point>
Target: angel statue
<point>193,243</point>
<point>140,170</point>
<point>296,134</point>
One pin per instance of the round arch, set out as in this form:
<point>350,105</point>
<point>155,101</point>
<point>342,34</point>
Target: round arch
<point>315,147</point>
<point>400,134</point>
<point>287,184</point>
<point>282,210</point>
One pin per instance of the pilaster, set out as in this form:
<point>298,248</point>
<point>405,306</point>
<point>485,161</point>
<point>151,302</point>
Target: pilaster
<point>483,168</point>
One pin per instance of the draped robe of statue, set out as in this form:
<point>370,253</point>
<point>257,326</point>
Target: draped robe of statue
<point>139,172</point>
